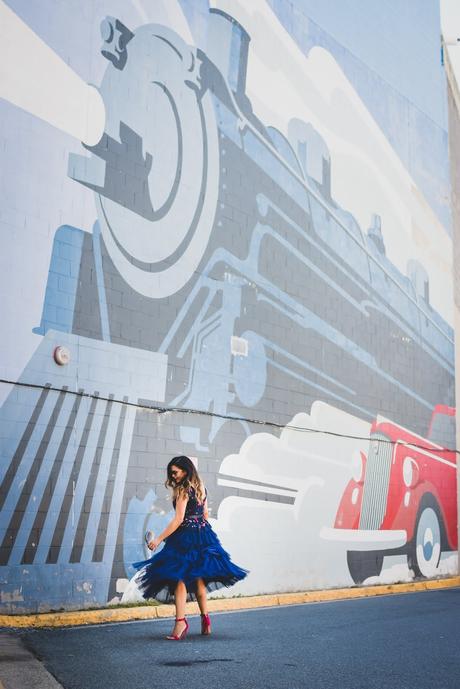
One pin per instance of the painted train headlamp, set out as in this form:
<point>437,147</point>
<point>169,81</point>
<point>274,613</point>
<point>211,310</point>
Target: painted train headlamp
<point>156,169</point>
<point>410,472</point>
<point>358,464</point>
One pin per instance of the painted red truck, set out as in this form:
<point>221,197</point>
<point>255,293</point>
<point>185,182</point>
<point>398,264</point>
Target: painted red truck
<point>402,498</point>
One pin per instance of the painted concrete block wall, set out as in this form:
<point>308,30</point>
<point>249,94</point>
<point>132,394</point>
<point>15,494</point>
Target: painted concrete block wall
<point>235,245</point>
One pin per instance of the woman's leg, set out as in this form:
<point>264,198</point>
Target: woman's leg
<point>203,603</point>
<point>180,597</point>
<point>201,596</point>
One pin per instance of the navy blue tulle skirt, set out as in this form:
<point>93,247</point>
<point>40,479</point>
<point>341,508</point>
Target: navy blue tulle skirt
<point>192,551</point>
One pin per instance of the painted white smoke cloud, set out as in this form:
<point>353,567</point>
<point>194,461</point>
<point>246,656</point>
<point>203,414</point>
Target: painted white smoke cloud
<point>280,543</point>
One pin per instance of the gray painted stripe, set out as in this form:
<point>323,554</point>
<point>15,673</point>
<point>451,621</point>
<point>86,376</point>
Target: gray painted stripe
<point>35,532</point>
<point>16,519</point>
<point>261,497</point>
<point>56,541</point>
<point>101,535</point>
<point>21,448</point>
<point>80,532</point>
<point>262,484</point>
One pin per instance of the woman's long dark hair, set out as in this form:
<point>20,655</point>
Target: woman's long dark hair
<point>190,480</point>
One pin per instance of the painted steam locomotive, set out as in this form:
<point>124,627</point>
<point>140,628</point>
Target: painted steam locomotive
<point>220,276</point>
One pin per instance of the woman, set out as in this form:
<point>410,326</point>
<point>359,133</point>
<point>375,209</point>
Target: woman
<point>192,560</point>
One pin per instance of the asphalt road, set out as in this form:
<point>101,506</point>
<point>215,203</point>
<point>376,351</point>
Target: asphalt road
<point>399,641</point>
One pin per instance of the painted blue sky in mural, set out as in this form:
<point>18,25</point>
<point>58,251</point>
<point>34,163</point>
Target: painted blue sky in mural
<point>370,40</point>
<point>383,35</point>
<point>371,43</point>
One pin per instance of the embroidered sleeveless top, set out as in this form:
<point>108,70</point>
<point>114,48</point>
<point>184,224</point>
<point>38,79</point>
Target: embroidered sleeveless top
<point>194,511</point>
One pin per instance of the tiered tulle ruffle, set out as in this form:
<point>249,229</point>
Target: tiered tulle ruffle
<point>192,551</point>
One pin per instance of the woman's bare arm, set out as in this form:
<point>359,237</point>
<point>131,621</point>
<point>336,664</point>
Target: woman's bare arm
<point>176,521</point>
<point>205,508</point>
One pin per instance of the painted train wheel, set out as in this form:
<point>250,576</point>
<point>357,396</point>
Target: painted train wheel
<point>157,190</point>
<point>425,552</point>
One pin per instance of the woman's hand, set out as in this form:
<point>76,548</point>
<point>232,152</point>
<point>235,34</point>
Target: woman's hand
<point>153,545</point>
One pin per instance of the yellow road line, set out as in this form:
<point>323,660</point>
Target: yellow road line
<point>113,614</point>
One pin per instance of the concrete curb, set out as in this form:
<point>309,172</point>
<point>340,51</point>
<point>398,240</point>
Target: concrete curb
<point>82,617</point>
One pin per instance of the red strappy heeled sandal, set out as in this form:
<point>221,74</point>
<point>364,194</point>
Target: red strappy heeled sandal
<point>183,634</point>
<point>205,624</point>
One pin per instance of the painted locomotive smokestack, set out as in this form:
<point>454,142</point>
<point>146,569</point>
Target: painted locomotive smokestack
<point>312,153</point>
<point>228,45</point>
<point>375,233</point>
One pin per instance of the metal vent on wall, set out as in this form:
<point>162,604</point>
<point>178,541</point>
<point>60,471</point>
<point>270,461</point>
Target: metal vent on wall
<point>239,346</point>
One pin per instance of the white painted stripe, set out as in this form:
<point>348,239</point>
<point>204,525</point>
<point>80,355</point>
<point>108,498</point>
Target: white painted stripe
<point>118,488</point>
<point>81,484</point>
<point>105,325</point>
<point>428,454</point>
<point>97,503</point>
<point>41,479</point>
<point>37,80</point>
<point>365,540</point>
<point>60,486</point>
<point>28,455</point>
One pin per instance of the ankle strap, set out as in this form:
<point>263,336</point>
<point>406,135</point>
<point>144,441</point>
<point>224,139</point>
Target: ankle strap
<point>180,619</point>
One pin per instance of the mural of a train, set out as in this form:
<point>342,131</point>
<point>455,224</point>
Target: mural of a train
<point>175,300</point>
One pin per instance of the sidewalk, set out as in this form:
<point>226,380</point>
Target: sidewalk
<point>122,614</point>
<point>19,668</point>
